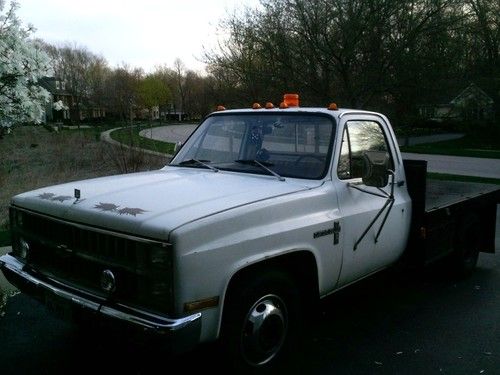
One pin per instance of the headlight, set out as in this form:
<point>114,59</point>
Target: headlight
<point>20,246</point>
<point>23,248</point>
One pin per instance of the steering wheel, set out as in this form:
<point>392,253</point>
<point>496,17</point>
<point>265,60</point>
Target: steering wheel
<point>321,159</point>
<point>262,155</point>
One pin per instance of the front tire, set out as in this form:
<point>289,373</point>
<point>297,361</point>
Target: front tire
<point>261,321</point>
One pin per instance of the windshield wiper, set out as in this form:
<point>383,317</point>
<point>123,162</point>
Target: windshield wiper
<point>199,162</point>
<point>262,165</point>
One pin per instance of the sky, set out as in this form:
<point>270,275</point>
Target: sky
<point>141,33</point>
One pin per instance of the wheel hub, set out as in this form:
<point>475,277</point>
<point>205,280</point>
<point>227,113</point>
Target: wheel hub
<point>264,330</point>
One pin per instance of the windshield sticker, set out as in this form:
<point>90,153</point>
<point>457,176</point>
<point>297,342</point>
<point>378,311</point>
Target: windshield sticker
<point>111,207</point>
<point>53,197</point>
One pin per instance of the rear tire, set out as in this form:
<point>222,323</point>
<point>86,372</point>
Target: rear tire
<point>467,247</point>
<point>261,322</point>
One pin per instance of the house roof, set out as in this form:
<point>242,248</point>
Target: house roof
<point>472,92</point>
<point>441,97</point>
<point>49,83</point>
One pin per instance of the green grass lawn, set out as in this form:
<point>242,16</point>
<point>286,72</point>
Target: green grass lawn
<point>481,144</point>
<point>32,157</point>
<point>130,137</point>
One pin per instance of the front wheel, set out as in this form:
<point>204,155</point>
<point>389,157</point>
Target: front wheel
<point>261,322</point>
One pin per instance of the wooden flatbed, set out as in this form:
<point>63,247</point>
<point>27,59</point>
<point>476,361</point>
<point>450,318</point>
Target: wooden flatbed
<point>444,213</point>
<point>440,194</point>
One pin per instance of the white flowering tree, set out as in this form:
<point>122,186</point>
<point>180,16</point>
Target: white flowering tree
<point>22,65</point>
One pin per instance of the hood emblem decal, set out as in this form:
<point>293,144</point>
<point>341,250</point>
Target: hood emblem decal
<point>131,211</point>
<point>53,197</point>
<point>46,196</point>
<point>111,207</point>
<point>106,206</point>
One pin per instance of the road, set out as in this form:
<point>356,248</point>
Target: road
<point>410,141</point>
<point>171,133</point>
<point>389,324</point>
<point>466,166</point>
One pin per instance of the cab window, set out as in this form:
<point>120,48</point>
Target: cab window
<point>360,136</point>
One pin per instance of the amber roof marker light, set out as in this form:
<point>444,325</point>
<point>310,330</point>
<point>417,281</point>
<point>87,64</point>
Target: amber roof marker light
<point>220,108</point>
<point>269,105</point>
<point>291,100</point>
<point>333,107</point>
<point>256,106</point>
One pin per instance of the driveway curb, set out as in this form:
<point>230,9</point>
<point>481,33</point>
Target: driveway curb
<point>106,137</point>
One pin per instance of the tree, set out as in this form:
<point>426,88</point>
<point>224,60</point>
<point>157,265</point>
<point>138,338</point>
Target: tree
<point>123,86</point>
<point>180,78</point>
<point>189,94</point>
<point>199,95</point>
<point>85,75</point>
<point>485,29</point>
<point>98,74</point>
<point>153,92</point>
<point>369,54</point>
<point>22,65</point>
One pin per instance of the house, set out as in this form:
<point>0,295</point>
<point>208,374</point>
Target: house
<point>170,112</point>
<point>472,103</point>
<point>60,102</point>
<point>163,112</point>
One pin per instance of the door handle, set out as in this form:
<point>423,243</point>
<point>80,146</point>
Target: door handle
<point>336,232</point>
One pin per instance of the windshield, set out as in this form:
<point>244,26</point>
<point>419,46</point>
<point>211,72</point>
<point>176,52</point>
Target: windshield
<point>290,145</point>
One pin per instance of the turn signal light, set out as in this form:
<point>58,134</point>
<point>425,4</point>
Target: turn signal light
<point>201,304</point>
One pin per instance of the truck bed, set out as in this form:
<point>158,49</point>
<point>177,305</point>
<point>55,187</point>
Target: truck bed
<point>440,194</point>
<point>441,208</point>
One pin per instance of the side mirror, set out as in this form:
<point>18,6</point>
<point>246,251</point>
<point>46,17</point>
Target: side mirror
<point>375,168</point>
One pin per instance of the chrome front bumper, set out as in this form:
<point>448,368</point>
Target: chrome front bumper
<point>183,333</point>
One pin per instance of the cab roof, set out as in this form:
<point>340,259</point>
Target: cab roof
<point>333,113</point>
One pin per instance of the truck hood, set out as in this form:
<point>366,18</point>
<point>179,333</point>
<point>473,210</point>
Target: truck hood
<point>151,204</point>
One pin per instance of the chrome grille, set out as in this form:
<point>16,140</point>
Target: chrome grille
<point>77,255</point>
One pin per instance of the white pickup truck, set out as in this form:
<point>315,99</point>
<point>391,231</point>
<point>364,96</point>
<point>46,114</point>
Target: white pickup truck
<point>260,213</point>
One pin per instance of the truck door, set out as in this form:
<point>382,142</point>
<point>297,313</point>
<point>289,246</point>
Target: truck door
<point>374,230</point>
